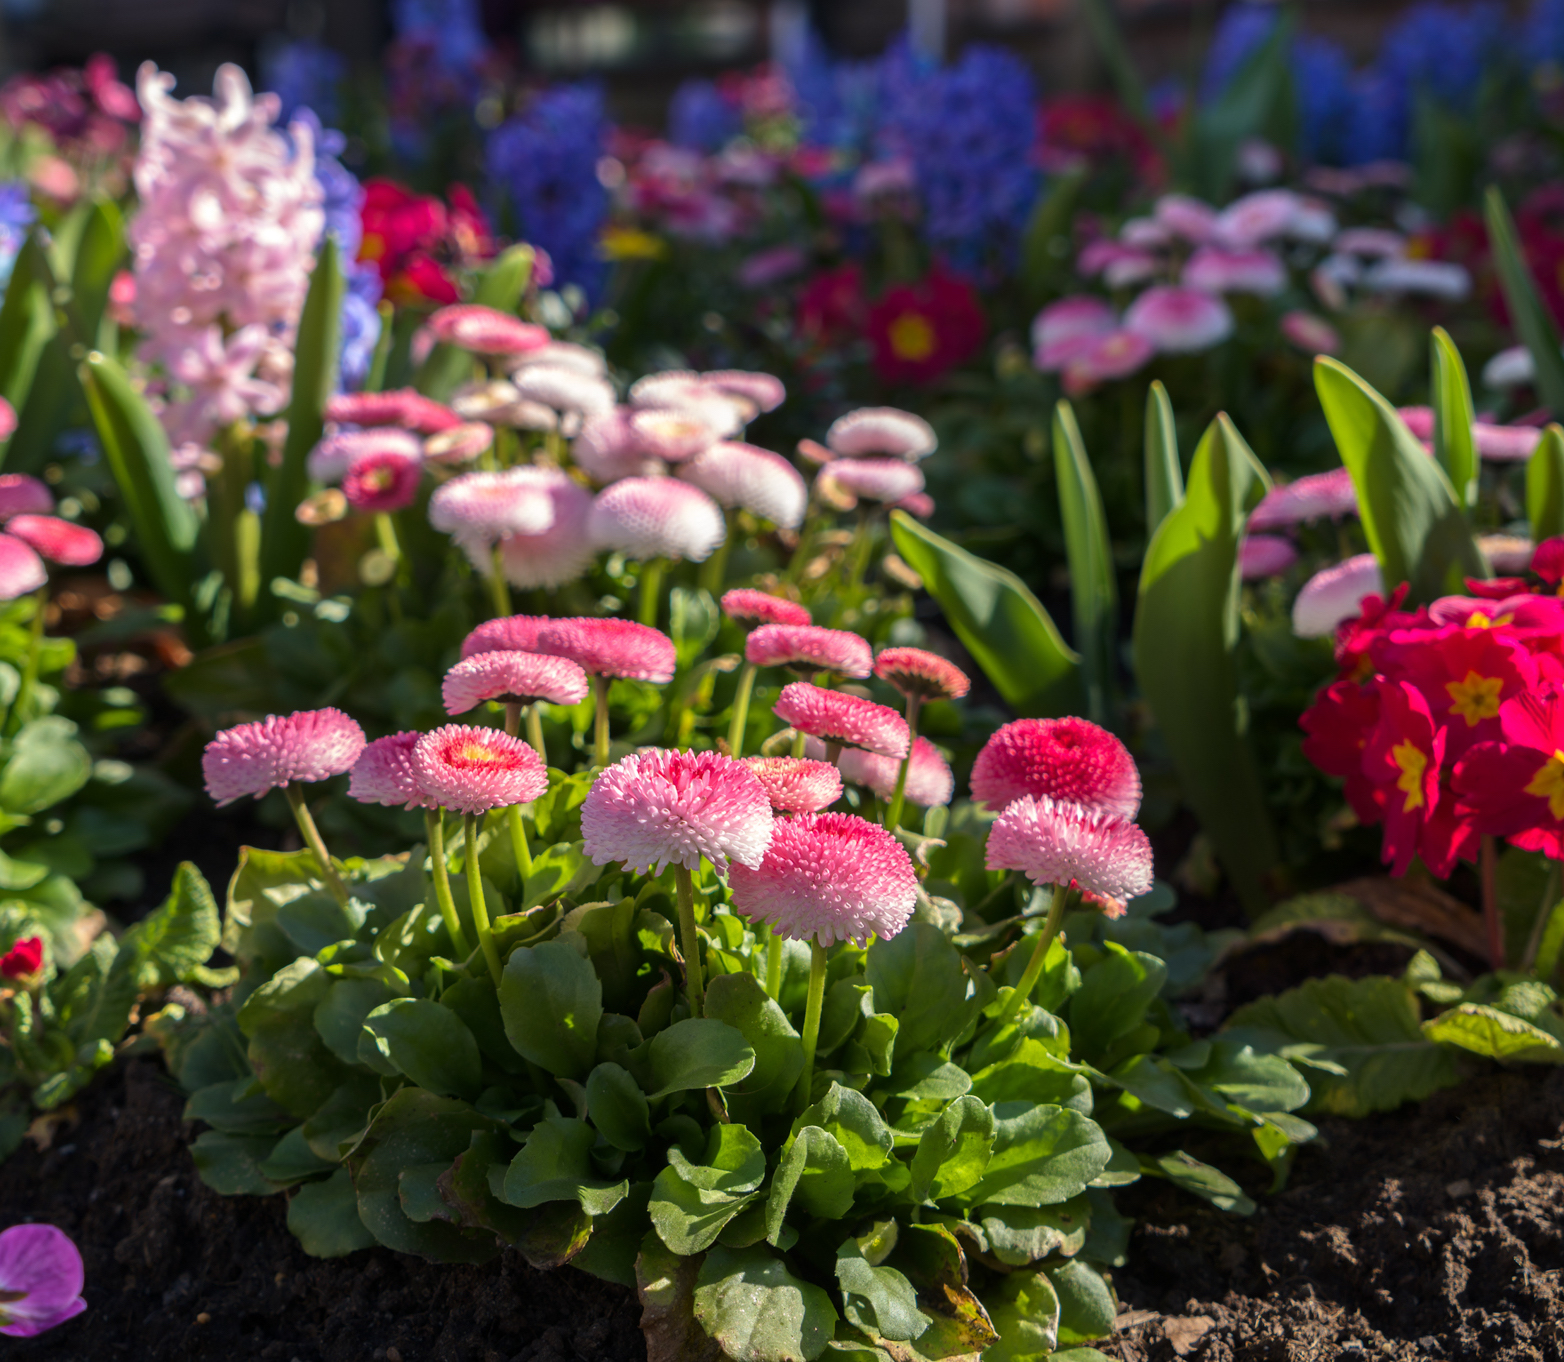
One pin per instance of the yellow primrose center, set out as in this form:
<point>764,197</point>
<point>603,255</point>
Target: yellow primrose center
<point>1548,784</point>
<point>1413,761</point>
<point>912,336</point>
<point>1475,697</point>
<point>1478,620</point>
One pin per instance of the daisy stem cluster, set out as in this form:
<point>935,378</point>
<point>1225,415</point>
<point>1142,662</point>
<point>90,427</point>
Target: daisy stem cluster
<point>434,823</point>
<point>480,910</point>
<point>313,840</point>
<point>811,1034</point>
<point>898,799</point>
<point>650,591</point>
<point>1063,899</point>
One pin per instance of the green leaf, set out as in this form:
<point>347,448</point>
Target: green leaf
<point>617,1107</point>
<point>1025,1310</point>
<point>697,1053</point>
<point>691,1203</point>
<point>428,1043</point>
<point>285,543</point>
<point>1185,636</point>
<point>557,870</point>
<point>741,1002</point>
<point>288,1056</point>
<point>1103,25</point>
<point>323,1217</point>
<point>855,1123</point>
<point>1201,1180</point>
<point>1545,485</point>
<point>339,1123</point>
<point>878,1299</point>
<point>918,977</point>
<point>1411,517</point>
<point>1042,1155</point>
<point>616,1239</point>
<point>1086,1305</point>
<point>816,1173</point>
<point>1256,102</point>
<point>339,1016</point>
<point>954,1151</point>
<point>665,1283</point>
<point>1094,594</point>
<point>1018,1235</point>
<point>230,1106</point>
<point>1455,447</point>
<point>1530,318</point>
<point>555,1164</point>
<point>1494,1034</point>
<point>1045,244</point>
<point>293,1161</point>
<point>26,325</point>
<point>137,452</point>
<point>500,288</point>
<point>46,766</point>
<point>169,945</point>
<point>749,1302</point>
<point>552,1001</point>
<point>231,1164</point>
<point>1164,473</point>
<point>998,620</point>
<point>98,258</point>
<point>1113,998</point>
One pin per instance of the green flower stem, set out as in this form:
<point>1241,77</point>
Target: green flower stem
<point>385,535</point>
<point>806,543</point>
<point>480,910</point>
<point>715,568</point>
<point>535,730</point>
<point>806,1080</point>
<point>499,589</point>
<point>893,814</point>
<point>857,560</point>
<point>798,742</point>
<point>518,842</point>
<point>1034,967</point>
<point>600,721</point>
<point>312,839</point>
<point>512,718</point>
<point>689,938</point>
<point>741,710</point>
<point>434,823</point>
<point>774,966</point>
<point>382,355</point>
<point>651,590</point>
<point>29,681</point>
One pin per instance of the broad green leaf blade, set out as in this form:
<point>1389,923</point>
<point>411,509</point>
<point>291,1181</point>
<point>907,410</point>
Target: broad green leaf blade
<point>26,324</point>
<point>1200,1179</point>
<point>697,1053</point>
<point>428,1043</point>
<point>136,448</point>
<point>1545,485</point>
<point>1497,1035</point>
<point>98,258</point>
<point>552,1001</point>
<point>1454,445</point>
<point>285,543</point>
<point>1164,472</point>
<point>757,1310</point>
<point>1185,633</point>
<point>1045,245</point>
<point>1528,316</point>
<point>500,288</point>
<point>1411,518</point>
<point>999,621</point>
<point>1258,102</point>
<point>323,1217</point>
<point>1103,25</point>
<point>1093,593</point>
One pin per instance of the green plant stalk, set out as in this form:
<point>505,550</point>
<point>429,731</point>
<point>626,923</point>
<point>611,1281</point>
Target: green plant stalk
<point>29,679</point>
<point>741,710</point>
<point>600,720</point>
<point>382,356</point>
<point>385,535</point>
<point>1489,866</point>
<point>893,814</point>
<point>774,967</point>
<point>689,938</point>
<point>518,841</point>
<point>858,552</point>
<point>535,730</point>
<point>434,823</point>
<point>499,588</point>
<point>480,910</point>
<point>715,568</point>
<point>798,742</point>
<point>806,543</point>
<point>651,590</point>
<point>806,1080</point>
<point>1034,966</point>
<point>313,840</point>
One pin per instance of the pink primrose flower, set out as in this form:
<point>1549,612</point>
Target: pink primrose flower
<point>382,482</point>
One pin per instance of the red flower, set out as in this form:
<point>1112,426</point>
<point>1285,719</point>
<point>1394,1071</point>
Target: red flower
<point>1338,724</point>
<point>1547,561</point>
<point>832,307</point>
<point>1355,638</point>
<point>413,239</point>
<point>920,331</point>
<point>23,959</point>
<point>1515,787</point>
<point>1402,757</point>
<point>1464,675</point>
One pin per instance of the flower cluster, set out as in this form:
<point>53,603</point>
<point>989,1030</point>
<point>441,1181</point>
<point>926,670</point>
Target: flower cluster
<point>419,244</point>
<point>31,534</point>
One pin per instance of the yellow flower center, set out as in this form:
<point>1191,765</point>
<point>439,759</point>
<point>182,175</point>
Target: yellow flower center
<point>1478,620</point>
<point>1413,761</point>
<point>912,337</point>
<point>478,752</point>
<point>1475,697</point>
<point>1548,784</point>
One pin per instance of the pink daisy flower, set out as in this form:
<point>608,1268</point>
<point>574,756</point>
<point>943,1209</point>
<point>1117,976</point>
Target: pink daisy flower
<point>563,389</point>
<point>808,648</point>
<point>657,807</point>
<point>384,774</point>
<point>580,359</point>
<point>920,504</point>
<point>1193,219</point>
<point>561,553</point>
<point>459,443</point>
<point>1068,759</point>
<point>922,675</point>
<point>22,494</point>
<point>930,781</point>
<point>1179,320</point>
<point>1214,270</point>
<point>382,482</point>
<point>748,607</point>
<point>513,679</point>
<point>724,413</point>
<point>797,784</point>
<point>21,570</point>
<point>472,770</point>
<point>1065,330</point>
<point>828,877</point>
<point>886,431</point>
<point>1060,843</point>
<point>508,634</point>
<point>60,541</point>
<point>331,459</point>
<point>656,518</point>
<point>1265,555</point>
<point>1308,498</point>
<point>1116,355</point>
<point>878,479</point>
<point>612,647</point>
<point>251,759</point>
<point>476,509</point>
<point>764,392</point>
<point>471,326</point>
<point>400,407</point>
<point>1335,594</point>
<point>7,420</point>
<point>756,480</point>
<point>608,448</point>
<point>834,717</point>
<point>671,433</point>
<point>1311,334</point>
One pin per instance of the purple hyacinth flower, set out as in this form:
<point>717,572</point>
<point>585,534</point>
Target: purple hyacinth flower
<point>40,1280</point>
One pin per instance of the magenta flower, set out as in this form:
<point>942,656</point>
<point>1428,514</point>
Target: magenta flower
<point>656,518</point>
<point>25,958</point>
<point>1335,594</point>
<point>41,1277</point>
<point>797,784</point>
<point>1067,759</point>
<point>333,458</point>
<point>828,877</point>
<point>1190,218</point>
<point>1311,334</point>
<point>461,443</point>
<point>60,541</point>
<point>1116,355</point>
<point>251,759</point>
<point>612,648</point>
<point>513,679</point>
<point>472,770</point>
<point>561,553</point>
<point>508,634</point>
<point>920,674</point>
<point>1261,216</point>
<point>930,781</point>
<point>471,326</point>
<point>657,807</point>
<point>1060,843</point>
<point>1179,320</point>
<point>808,648</point>
<point>1313,497</point>
<point>382,482</point>
<point>755,480</point>
<point>1265,555</point>
<point>747,607</point>
<point>22,494</point>
<point>400,407</point>
<point>881,431</point>
<point>384,774</point>
<point>878,479</point>
<point>836,718</point>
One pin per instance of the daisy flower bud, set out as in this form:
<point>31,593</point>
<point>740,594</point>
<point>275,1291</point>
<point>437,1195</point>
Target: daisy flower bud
<point>508,634</point>
<point>383,774</point>
<point>1061,843</point>
<point>752,479</point>
<point>251,759</point>
<point>611,647</point>
<point>834,717</point>
<point>798,784</point>
<point>881,431</point>
<point>1066,759</point>
<point>657,807</point>
<point>512,678</point>
<point>485,331</point>
<point>656,518</point>
<point>472,770</point>
<point>828,877</point>
<point>747,607</point>
<point>930,781</point>
<point>921,675</point>
<point>808,648</point>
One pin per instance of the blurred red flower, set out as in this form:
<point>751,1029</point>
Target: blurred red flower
<point>920,331</point>
<point>417,242</point>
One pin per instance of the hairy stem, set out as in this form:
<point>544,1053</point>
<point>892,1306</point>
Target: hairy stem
<point>535,730</point>
<point>434,823</point>
<point>1034,966</point>
<point>512,718</point>
<point>893,814</point>
<point>313,840</point>
<point>600,721</point>
<point>651,590</point>
<point>499,588</point>
<point>518,842</point>
<point>774,966</point>
<point>741,710</point>
<point>480,910</point>
<point>806,1080</point>
<point>689,938</point>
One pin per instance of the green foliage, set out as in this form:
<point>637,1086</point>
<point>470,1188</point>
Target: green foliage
<point>1455,447</point>
<point>1531,319</point>
<point>1545,485</point>
<point>1093,591</point>
<point>1164,474</point>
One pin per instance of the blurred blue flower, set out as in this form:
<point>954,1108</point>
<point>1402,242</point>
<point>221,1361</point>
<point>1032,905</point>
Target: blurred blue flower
<point>701,118</point>
<point>544,161</point>
<point>1241,30</point>
<point>17,215</point>
<point>1327,105</point>
<point>1543,35</point>
<point>451,27</point>
<point>303,72</point>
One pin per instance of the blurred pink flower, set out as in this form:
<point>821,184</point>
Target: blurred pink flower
<point>485,330</point>
<point>1311,334</point>
<point>1179,320</point>
<point>1116,355</point>
<point>611,647</point>
<point>1335,594</point>
<point>561,553</point>
<point>765,391</point>
<point>1214,270</point>
<point>741,475</point>
<point>878,479</point>
<point>384,774</point>
<point>331,459</point>
<point>459,444</point>
<point>656,518</point>
<point>930,781</point>
<point>21,570</point>
<point>478,509</point>
<point>835,717</point>
<point>748,608</point>
<point>1187,217</point>
<point>382,482</point>
<point>220,377</point>
<point>1312,497</point>
<point>1261,216</point>
<point>608,448</point>
<point>60,541</point>
<point>870,432</point>
<point>509,633</point>
<point>41,1278</point>
<point>1068,328</point>
<point>23,494</point>
<point>1265,555</point>
<point>922,675</point>
<point>519,678</point>
<point>769,266</point>
<point>809,648</point>
<point>400,407</point>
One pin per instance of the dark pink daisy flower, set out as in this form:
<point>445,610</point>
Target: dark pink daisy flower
<point>400,407</point>
<point>748,607</point>
<point>21,494</point>
<point>1067,759</point>
<point>509,634</point>
<point>384,774</point>
<point>930,781</point>
<point>834,717</point>
<point>752,479</point>
<point>828,877</point>
<point>1060,843</point>
<point>382,482</point>
<point>251,759</point>
<point>611,647</point>
<point>797,784</point>
<point>922,675</point>
<point>658,807</point>
<point>485,331</point>
<point>60,541</point>
<point>875,431</point>
<point>920,504</point>
<point>809,648</point>
<point>512,679</point>
<point>7,420</point>
<point>647,518</point>
<point>472,770</point>
<point>21,570</point>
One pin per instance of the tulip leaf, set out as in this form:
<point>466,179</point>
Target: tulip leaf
<point>998,620</point>
<point>1164,473</point>
<point>1094,595</point>
<point>26,324</point>
<point>1545,485</point>
<point>1184,639</point>
<point>1455,447</point>
<point>1530,318</point>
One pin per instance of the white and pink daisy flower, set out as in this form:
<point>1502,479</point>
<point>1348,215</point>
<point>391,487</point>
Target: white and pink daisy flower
<point>1069,759</point>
